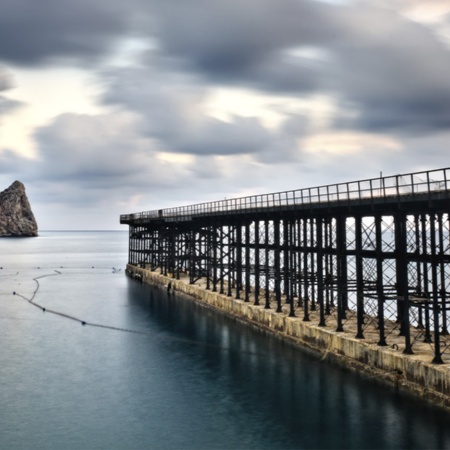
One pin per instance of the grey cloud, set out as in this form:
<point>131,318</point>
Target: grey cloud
<point>10,161</point>
<point>32,32</point>
<point>391,73</point>
<point>86,159</point>
<point>6,82</point>
<point>96,150</point>
<point>393,76</point>
<point>242,43</point>
<point>7,105</point>
<point>216,137</point>
<point>170,107</point>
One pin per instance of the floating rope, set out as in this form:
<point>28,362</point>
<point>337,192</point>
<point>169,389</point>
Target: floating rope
<point>67,316</point>
<point>109,327</point>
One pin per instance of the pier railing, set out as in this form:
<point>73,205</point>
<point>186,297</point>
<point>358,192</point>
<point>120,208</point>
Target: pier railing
<point>410,185</point>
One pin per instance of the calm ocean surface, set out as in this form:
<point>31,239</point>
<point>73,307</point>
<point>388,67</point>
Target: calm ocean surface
<point>190,379</point>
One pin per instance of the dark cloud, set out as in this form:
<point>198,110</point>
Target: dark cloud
<point>245,43</point>
<point>229,37</point>
<point>32,32</point>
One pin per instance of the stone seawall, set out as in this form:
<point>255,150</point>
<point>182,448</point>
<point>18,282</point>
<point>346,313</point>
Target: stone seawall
<point>408,373</point>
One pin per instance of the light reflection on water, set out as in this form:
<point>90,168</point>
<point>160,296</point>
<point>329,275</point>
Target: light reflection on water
<point>192,380</point>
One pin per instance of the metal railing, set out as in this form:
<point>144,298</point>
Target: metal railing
<point>405,185</point>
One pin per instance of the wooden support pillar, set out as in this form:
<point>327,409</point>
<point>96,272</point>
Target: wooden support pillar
<point>277,259</point>
<point>442,271</point>
<point>290,272</point>
<point>313,256</point>
<point>238,261</point>
<point>305,272</point>
<point>379,283</point>
<point>359,278</point>
<point>402,278</point>
<point>436,307</point>
<point>267,273</point>
<point>257,263</point>
<point>221,259</point>
<point>320,271</point>
<point>231,259</point>
<point>300,251</point>
<point>286,264</point>
<point>247,262</point>
<point>341,258</point>
<point>426,281</point>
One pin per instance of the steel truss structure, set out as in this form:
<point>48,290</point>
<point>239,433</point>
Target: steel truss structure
<point>375,251</point>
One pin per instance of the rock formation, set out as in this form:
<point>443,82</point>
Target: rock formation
<point>16,216</point>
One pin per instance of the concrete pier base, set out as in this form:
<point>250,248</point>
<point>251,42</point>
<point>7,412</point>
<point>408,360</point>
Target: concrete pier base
<point>414,374</point>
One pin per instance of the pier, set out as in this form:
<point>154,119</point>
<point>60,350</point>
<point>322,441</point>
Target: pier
<point>359,270</point>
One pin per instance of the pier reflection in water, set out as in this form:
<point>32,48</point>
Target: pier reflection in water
<point>249,390</point>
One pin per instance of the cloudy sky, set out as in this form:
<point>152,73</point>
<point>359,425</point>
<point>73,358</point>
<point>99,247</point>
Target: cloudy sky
<point>114,106</point>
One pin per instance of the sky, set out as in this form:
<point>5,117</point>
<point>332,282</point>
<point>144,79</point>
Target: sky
<point>110,107</point>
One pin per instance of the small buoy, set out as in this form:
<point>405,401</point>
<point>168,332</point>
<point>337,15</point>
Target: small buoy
<point>83,323</point>
<point>43,309</point>
<point>14,292</point>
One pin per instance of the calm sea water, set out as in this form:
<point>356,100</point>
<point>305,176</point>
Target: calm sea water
<point>182,377</point>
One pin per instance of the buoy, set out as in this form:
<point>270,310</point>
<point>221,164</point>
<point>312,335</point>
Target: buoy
<point>83,323</point>
<point>14,292</point>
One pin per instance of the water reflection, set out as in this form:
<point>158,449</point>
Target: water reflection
<point>261,393</point>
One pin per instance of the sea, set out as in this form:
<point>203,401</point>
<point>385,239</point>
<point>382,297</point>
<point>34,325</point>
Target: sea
<point>91,359</point>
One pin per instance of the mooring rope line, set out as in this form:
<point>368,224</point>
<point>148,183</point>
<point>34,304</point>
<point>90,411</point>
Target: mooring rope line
<point>109,327</point>
<point>67,316</point>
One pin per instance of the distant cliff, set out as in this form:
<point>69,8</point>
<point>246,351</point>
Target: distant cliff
<point>16,216</point>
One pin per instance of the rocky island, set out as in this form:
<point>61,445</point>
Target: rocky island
<point>16,217</point>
